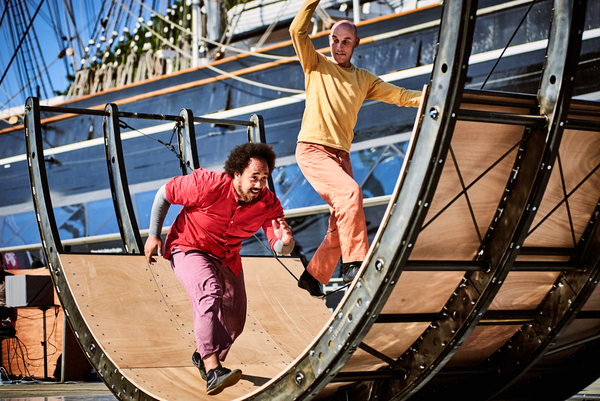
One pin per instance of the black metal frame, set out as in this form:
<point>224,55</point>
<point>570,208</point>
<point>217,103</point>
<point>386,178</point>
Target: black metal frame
<point>106,369</point>
<point>410,375</point>
<point>119,186</point>
<point>355,316</point>
<point>187,142</point>
<point>503,243</point>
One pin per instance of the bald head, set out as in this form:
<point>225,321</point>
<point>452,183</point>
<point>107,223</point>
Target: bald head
<point>347,24</point>
<point>343,39</point>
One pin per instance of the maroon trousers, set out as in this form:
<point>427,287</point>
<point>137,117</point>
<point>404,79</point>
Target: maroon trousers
<point>218,300</point>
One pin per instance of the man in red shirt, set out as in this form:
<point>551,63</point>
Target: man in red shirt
<point>220,210</point>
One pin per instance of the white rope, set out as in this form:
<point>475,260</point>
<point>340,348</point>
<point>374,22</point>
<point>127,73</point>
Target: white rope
<point>254,83</point>
<point>275,88</point>
<point>165,41</point>
<point>267,33</point>
<point>221,45</point>
<point>11,98</point>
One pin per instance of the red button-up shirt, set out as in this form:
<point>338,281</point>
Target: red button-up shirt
<point>213,221</point>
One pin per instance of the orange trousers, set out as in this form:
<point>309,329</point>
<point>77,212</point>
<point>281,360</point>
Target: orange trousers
<point>329,171</point>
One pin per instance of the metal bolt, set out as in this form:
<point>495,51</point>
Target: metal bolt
<point>434,113</point>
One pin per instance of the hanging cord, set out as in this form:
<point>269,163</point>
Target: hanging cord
<point>275,256</point>
<point>292,274</point>
<point>338,290</point>
<point>169,145</point>
<point>508,44</point>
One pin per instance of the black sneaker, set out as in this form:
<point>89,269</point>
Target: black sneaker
<point>310,284</point>
<point>220,378</point>
<point>199,363</point>
<point>349,271</point>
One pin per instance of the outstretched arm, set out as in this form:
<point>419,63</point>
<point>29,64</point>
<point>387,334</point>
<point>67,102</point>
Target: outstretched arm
<point>390,93</point>
<point>160,207</point>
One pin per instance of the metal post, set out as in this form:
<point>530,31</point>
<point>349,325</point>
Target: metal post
<point>213,18</point>
<point>187,143</point>
<point>45,343</point>
<point>39,184</point>
<point>64,348</point>
<point>196,32</point>
<point>118,182</point>
<point>356,10</point>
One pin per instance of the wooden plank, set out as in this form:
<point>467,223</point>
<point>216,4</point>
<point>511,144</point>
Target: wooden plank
<point>523,290</point>
<point>483,342</point>
<point>476,149</point>
<point>579,154</point>
<point>407,296</point>
<point>141,318</point>
<point>391,340</point>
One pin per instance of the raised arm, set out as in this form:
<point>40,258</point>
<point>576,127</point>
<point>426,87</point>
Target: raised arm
<point>305,50</point>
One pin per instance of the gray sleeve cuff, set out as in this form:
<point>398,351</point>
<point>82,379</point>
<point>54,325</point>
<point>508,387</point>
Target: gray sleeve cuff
<point>160,208</point>
<point>284,249</point>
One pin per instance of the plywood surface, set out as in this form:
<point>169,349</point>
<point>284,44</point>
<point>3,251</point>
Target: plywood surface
<point>141,318</point>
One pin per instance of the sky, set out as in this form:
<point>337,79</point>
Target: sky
<point>46,69</point>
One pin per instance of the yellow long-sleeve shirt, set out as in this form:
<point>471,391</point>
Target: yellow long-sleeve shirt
<point>335,94</point>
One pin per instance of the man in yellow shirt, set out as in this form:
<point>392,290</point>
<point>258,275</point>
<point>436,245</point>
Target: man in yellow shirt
<point>335,91</point>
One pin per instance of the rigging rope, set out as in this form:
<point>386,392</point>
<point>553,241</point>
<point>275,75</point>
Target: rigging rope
<point>165,41</point>
<point>43,60</point>
<point>94,34</point>
<point>508,44</point>
<point>232,28</point>
<point>218,44</point>
<point>169,145</point>
<point>21,41</point>
<point>254,83</point>
<point>4,12</point>
<point>274,23</point>
<point>60,37</point>
<point>275,88</point>
<point>69,8</point>
<point>10,98</point>
<point>20,21</point>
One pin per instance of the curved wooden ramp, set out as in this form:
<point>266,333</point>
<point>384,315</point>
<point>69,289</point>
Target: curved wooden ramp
<point>480,284</point>
<point>139,319</point>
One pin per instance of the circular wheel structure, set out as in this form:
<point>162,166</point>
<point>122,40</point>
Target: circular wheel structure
<point>481,282</point>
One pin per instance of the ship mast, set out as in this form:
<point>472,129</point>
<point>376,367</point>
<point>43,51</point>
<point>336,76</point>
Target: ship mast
<point>195,31</point>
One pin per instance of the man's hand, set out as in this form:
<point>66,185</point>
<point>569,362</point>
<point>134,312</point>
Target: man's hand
<point>153,244</point>
<point>282,231</point>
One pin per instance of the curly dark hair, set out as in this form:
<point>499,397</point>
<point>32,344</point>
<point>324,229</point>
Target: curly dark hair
<point>240,156</point>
